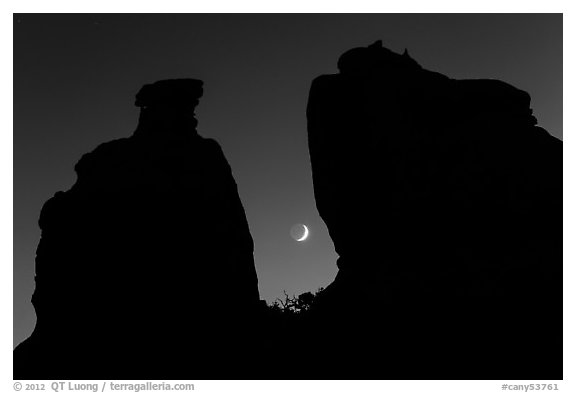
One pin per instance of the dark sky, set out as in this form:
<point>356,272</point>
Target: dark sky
<point>75,77</point>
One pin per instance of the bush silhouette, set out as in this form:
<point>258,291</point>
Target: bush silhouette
<point>292,306</point>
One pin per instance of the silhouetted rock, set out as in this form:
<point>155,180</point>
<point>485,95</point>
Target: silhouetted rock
<point>444,201</point>
<point>145,266</point>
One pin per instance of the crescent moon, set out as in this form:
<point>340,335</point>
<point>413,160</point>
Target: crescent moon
<point>304,235</point>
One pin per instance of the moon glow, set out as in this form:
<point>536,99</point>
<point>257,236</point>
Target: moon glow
<point>300,232</point>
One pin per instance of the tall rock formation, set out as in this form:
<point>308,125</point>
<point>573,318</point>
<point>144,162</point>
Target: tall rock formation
<point>145,266</point>
<point>444,201</point>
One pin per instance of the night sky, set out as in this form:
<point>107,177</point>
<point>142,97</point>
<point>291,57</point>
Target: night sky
<point>75,77</point>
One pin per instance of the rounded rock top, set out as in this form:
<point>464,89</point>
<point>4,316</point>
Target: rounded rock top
<point>170,92</point>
